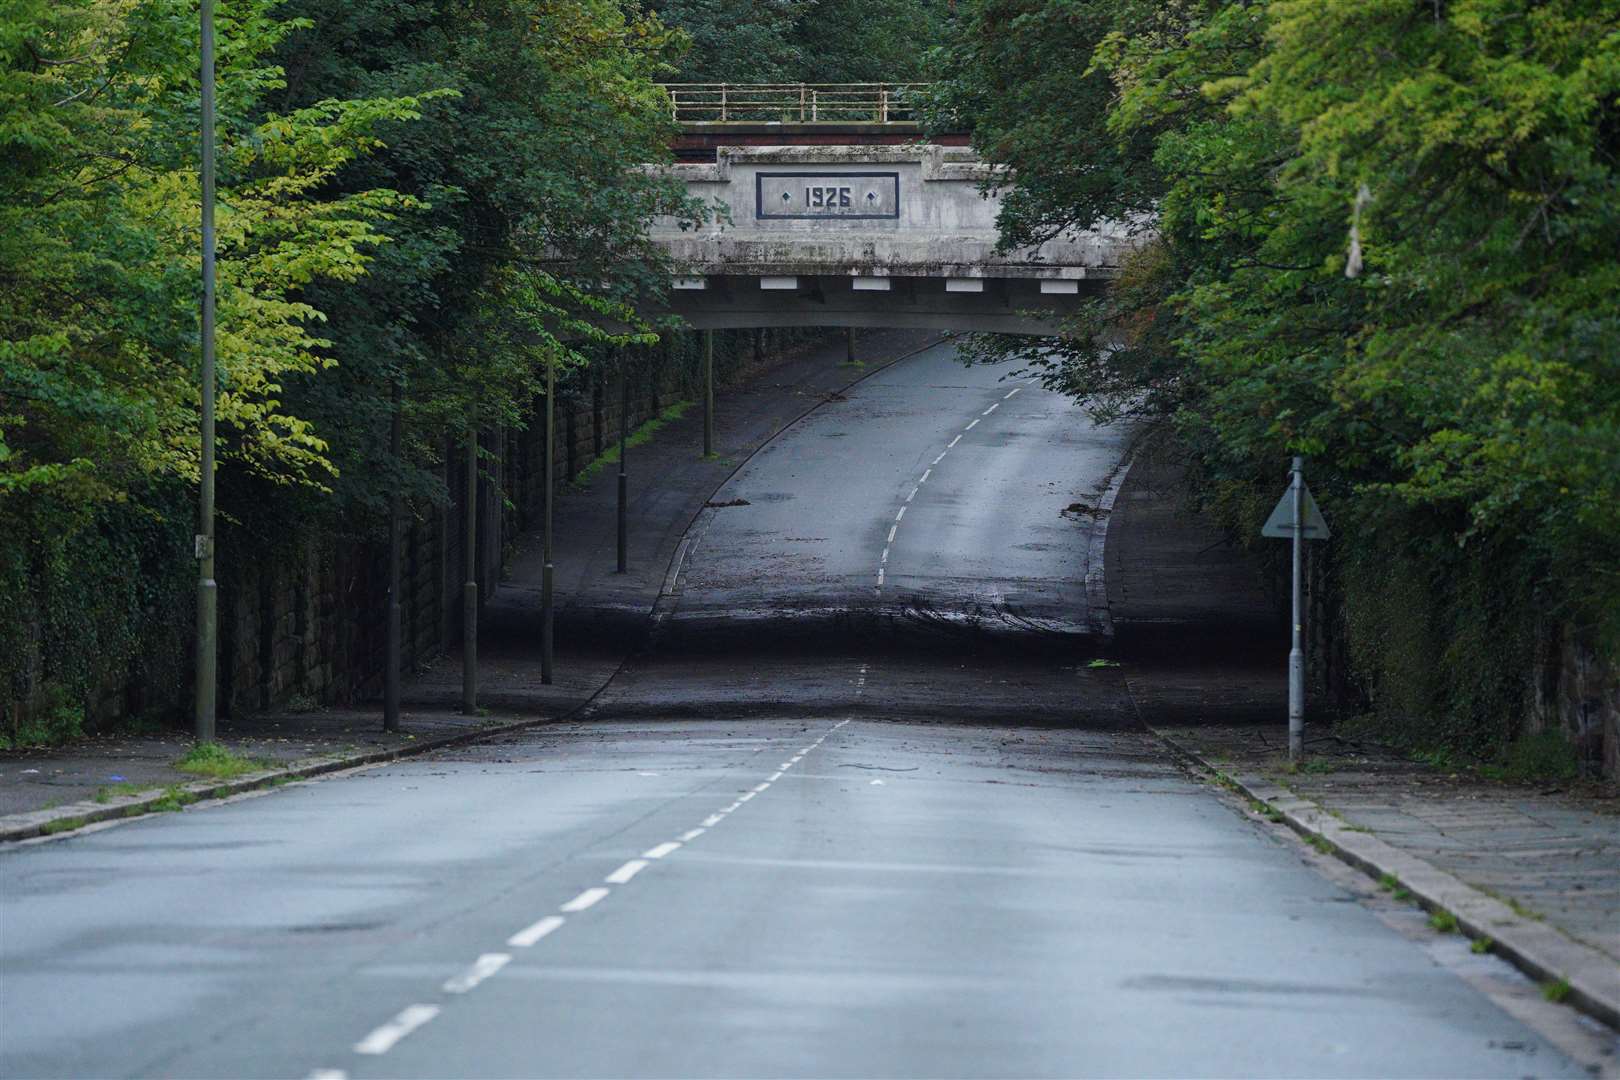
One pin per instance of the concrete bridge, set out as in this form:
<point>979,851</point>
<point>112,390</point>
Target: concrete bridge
<point>828,209</point>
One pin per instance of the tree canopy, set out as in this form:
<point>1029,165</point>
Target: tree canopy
<point>1385,235</point>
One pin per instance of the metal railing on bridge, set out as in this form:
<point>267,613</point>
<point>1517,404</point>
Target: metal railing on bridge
<point>794,103</point>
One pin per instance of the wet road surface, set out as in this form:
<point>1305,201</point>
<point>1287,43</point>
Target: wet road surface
<point>815,846</point>
<point>932,493</point>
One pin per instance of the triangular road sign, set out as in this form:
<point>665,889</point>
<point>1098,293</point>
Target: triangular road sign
<point>1281,522</point>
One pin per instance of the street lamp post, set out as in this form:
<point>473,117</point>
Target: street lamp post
<point>207,587</point>
<point>547,572</point>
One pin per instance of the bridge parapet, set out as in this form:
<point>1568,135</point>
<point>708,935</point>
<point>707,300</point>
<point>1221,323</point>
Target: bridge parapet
<point>794,103</point>
<point>869,235</point>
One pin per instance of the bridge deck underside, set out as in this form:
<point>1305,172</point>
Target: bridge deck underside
<point>1006,305</point>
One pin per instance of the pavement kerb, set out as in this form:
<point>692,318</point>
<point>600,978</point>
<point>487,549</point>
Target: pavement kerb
<point>39,823</point>
<point>54,821</point>
<point>1537,949</point>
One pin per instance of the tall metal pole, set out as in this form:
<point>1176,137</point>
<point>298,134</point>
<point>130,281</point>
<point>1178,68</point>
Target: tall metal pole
<point>207,587</point>
<point>396,448</point>
<point>708,393</point>
<point>624,475</point>
<point>1296,654</point>
<point>849,345</point>
<point>547,571</point>
<point>469,591</point>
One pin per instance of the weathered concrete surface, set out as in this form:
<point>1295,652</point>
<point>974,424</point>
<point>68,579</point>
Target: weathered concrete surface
<point>918,240</point>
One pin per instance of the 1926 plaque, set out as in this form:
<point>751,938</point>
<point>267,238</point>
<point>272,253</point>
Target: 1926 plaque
<point>827,195</point>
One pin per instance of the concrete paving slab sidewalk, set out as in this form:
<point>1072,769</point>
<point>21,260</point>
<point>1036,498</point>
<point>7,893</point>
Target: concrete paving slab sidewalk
<point>602,617</point>
<point>1533,868</point>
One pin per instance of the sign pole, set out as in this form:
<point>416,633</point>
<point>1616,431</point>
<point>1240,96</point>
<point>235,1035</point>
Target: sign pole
<point>1296,654</point>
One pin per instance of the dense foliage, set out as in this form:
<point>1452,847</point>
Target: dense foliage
<point>438,197</point>
<point>1385,235</point>
<point>821,41</point>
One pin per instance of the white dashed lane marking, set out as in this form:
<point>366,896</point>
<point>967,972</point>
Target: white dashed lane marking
<point>532,933</point>
<point>383,1039</point>
<point>482,968</point>
<point>973,425</point>
<point>624,873</point>
<point>584,900</point>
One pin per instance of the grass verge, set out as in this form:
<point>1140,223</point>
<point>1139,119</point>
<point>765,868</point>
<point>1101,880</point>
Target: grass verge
<point>638,437</point>
<point>216,762</point>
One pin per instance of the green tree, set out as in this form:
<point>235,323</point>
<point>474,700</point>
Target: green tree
<point>1385,235</point>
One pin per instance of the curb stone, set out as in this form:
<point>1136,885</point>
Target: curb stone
<point>55,821</point>
<point>37,823</point>
<point>1535,948</point>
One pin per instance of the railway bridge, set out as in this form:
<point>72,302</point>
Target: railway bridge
<point>829,207</point>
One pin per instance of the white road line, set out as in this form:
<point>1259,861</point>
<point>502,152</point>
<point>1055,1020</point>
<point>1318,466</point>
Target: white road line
<point>926,474</point>
<point>712,820</point>
<point>913,494</point>
<point>745,797</point>
<point>892,530</point>
<point>973,425</point>
<point>626,872</point>
<point>991,409</point>
<point>1011,392</point>
<point>526,937</point>
<point>692,834</point>
<point>807,749</point>
<point>777,775</point>
<point>662,849</point>
<point>584,900</point>
<point>734,806</point>
<point>952,443</point>
<point>383,1039</point>
<point>880,575</point>
<point>883,560</point>
<point>785,765</point>
<point>941,457</point>
<point>761,787</point>
<point>485,966</point>
<point>900,514</point>
<point>328,1074</point>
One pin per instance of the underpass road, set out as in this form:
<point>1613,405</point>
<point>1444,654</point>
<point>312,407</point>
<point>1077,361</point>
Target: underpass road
<point>786,851</point>
<point>932,489</point>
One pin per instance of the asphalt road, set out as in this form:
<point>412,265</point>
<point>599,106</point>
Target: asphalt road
<point>806,848</point>
<point>935,494</point>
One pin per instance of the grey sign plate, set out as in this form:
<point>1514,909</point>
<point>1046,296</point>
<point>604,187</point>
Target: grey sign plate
<point>844,195</point>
